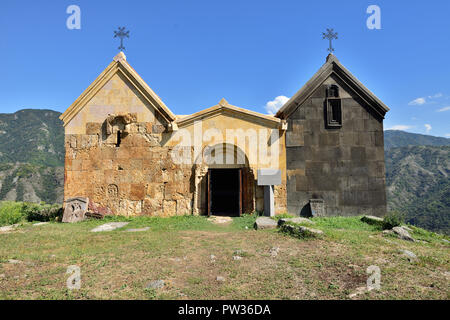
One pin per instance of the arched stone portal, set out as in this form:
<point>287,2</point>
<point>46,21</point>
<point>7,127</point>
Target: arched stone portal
<point>224,181</point>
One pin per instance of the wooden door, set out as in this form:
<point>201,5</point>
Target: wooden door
<point>247,190</point>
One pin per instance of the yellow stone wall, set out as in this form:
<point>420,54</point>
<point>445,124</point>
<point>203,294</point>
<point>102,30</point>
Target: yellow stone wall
<point>139,177</point>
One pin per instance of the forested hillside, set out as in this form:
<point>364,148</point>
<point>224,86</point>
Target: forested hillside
<point>31,156</point>
<point>418,184</point>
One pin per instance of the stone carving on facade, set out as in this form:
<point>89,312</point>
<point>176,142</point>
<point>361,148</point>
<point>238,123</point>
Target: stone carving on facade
<point>113,191</point>
<point>75,209</point>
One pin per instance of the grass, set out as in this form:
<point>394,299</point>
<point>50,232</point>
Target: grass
<point>119,265</point>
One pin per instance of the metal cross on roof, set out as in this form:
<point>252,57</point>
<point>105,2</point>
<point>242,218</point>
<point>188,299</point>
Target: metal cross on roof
<point>330,35</point>
<point>121,34</point>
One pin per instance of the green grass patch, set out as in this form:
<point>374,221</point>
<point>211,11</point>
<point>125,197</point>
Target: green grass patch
<point>246,221</point>
<point>345,223</point>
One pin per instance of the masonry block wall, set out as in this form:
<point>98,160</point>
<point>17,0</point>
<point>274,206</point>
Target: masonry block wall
<point>117,157</point>
<point>344,166</point>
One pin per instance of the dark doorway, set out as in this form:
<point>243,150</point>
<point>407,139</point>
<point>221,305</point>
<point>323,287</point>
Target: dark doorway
<point>225,192</point>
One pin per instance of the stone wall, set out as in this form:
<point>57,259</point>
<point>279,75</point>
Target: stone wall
<point>118,154</point>
<point>343,166</point>
<point>137,177</point>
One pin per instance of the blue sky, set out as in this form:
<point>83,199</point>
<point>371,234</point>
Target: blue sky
<point>193,53</point>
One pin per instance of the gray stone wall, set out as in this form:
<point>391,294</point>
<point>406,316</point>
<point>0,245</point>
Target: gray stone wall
<point>343,166</point>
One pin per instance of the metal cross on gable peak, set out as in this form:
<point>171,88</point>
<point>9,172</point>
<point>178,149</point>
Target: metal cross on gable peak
<point>330,35</point>
<point>121,34</point>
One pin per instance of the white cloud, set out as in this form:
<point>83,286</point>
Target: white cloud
<point>418,101</point>
<point>437,95</point>
<point>447,134</point>
<point>399,127</point>
<point>423,100</point>
<point>427,127</point>
<point>444,109</point>
<point>273,106</point>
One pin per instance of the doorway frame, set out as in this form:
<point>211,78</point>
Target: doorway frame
<point>209,188</point>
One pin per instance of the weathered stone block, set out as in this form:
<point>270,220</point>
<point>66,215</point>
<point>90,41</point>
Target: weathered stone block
<point>75,209</point>
<point>265,223</point>
<point>300,231</point>
<point>184,206</point>
<point>294,135</point>
<point>358,153</point>
<point>298,220</point>
<point>137,191</point>
<point>169,207</point>
<point>152,207</point>
<point>373,220</point>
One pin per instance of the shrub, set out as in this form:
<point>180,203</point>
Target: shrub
<point>10,213</point>
<point>42,211</point>
<point>393,219</point>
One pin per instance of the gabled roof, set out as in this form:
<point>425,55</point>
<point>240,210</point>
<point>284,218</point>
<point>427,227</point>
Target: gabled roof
<point>332,66</point>
<point>225,107</point>
<point>118,65</point>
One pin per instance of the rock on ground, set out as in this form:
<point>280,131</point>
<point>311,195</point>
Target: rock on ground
<point>220,278</point>
<point>300,231</point>
<point>265,223</point>
<point>13,261</point>
<point>298,220</point>
<point>373,220</point>
<point>220,220</point>
<point>138,230</point>
<point>410,255</point>
<point>402,233</point>
<point>40,224</point>
<point>109,226</point>
<point>8,228</point>
<point>157,284</point>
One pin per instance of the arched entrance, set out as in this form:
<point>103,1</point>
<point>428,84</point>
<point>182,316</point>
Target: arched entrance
<point>225,183</point>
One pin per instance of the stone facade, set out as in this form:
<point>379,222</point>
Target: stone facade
<point>120,139</point>
<point>342,165</point>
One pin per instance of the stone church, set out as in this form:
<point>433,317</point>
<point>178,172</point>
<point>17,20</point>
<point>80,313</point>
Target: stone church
<point>322,153</point>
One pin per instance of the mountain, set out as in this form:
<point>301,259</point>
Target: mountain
<point>31,156</point>
<point>397,138</point>
<point>32,136</point>
<point>31,183</point>
<point>418,185</point>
